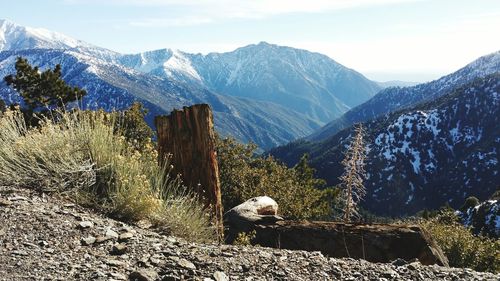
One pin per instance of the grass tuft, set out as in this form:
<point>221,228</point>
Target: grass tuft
<point>83,154</point>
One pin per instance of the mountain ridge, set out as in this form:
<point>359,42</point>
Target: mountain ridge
<point>166,79</point>
<point>394,98</point>
<point>440,151</point>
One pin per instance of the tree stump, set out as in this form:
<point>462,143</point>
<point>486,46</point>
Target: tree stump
<point>188,136</point>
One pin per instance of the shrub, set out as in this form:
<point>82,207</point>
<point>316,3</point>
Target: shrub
<point>84,155</point>
<point>245,238</point>
<point>470,202</point>
<point>244,175</point>
<point>462,248</point>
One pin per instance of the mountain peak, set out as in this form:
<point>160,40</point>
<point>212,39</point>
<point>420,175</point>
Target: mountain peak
<point>18,37</point>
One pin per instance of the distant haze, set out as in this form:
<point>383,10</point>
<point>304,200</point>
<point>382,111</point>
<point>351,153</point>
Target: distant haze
<point>410,40</point>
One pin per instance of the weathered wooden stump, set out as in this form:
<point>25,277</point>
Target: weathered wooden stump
<point>188,136</point>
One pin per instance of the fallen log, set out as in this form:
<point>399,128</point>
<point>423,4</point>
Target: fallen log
<point>374,242</point>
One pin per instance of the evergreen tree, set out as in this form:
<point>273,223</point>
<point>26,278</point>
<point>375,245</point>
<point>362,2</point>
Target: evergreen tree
<point>351,181</point>
<point>305,173</point>
<point>41,90</point>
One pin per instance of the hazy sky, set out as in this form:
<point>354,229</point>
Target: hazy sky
<point>413,40</point>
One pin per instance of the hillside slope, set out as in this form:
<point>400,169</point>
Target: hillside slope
<point>111,87</point>
<point>436,152</point>
<point>396,98</point>
<point>309,83</point>
<point>114,81</point>
<point>46,237</point>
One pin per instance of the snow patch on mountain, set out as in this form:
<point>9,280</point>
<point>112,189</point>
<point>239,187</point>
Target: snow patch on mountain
<point>178,62</point>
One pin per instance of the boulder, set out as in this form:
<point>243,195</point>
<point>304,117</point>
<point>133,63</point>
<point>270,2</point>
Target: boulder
<point>242,218</point>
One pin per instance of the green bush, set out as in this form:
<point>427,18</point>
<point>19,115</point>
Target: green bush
<point>244,175</point>
<point>83,154</point>
<point>462,248</point>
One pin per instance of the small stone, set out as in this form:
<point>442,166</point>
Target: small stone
<point>125,236</point>
<point>414,265</point>
<point>117,276</point>
<point>220,276</point>
<point>17,198</point>
<point>88,241</point>
<point>389,273</point>
<point>112,234</point>
<point>118,249</point>
<point>154,261</point>
<point>143,275</point>
<point>115,263</point>
<point>186,264</point>
<point>101,239</point>
<point>86,224</point>
<point>399,262</point>
<point>4,203</point>
<point>144,224</point>
<point>19,253</point>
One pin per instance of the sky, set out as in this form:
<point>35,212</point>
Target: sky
<point>409,40</point>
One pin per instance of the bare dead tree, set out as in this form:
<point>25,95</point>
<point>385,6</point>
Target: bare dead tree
<point>351,180</point>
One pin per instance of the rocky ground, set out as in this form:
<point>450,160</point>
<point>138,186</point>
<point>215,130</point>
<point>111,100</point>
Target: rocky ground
<point>49,238</point>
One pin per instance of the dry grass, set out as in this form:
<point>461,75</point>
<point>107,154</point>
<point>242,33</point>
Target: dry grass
<point>83,154</point>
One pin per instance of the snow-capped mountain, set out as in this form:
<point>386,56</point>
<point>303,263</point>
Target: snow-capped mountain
<point>262,93</point>
<point>15,37</point>
<point>440,151</point>
<point>396,98</point>
<point>112,86</point>
<point>309,83</point>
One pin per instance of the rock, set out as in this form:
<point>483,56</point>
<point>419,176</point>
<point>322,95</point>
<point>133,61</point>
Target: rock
<point>101,239</point>
<point>414,265</point>
<point>118,249</point>
<point>17,198</point>
<point>186,264</point>
<point>4,203</point>
<point>117,276</point>
<point>125,236</point>
<point>242,218</point>
<point>115,263</point>
<point>144,224</point>
<point>143,275</point>
<point>86,224</point>
<point>111,234</point>
<point>399,262</point>
<point>88,241</point>
<point>220,276</point>
<point>19,253</point>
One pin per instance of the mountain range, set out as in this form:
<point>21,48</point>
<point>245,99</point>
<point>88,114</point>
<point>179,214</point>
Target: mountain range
<point>263,93</point>
<point>394,98</point>
<point>434,152</point>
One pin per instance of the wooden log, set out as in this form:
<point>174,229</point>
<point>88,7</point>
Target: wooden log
<point>188,135</point>
<point>373,242</point>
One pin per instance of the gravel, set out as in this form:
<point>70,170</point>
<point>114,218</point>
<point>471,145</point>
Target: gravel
<point>46,237</point>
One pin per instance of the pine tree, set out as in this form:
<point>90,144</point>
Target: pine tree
<point>305,173</point>
<point>41,90</point>
<point>351,180</point>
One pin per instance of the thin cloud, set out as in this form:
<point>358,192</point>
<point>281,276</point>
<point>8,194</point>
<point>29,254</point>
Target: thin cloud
<point>170,22</point>
<point>202,12</point>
